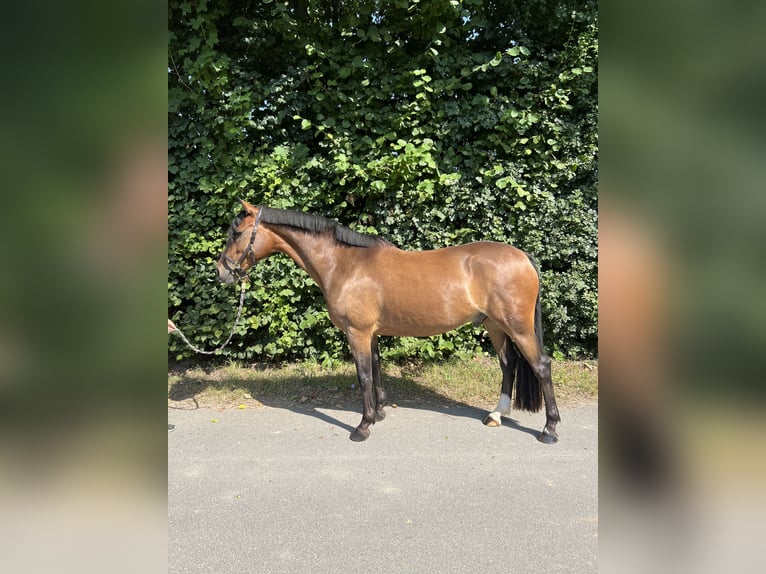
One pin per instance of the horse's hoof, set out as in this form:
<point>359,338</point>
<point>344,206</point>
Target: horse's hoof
<point>491,421</point>
<point>547,437</point>
<point>360,435</point>
<point>380,415</point>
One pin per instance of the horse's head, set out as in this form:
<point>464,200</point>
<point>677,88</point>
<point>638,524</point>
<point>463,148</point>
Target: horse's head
<point>244,245</point>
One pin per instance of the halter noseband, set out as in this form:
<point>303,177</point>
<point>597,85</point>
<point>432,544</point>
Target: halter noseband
<point>237,269</point>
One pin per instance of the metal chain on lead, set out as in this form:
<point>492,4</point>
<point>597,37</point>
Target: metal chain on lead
<point>236,322</point>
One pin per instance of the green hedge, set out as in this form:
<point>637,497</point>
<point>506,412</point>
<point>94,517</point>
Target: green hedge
<point>429,123</point>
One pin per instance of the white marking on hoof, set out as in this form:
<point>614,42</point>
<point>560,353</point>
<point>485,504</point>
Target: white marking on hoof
<point>493,420</point>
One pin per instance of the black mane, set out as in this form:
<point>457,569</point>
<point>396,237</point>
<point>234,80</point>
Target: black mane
<point>317,224</point>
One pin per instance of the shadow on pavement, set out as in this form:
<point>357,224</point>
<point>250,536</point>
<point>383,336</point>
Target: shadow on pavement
<point>312,395</point>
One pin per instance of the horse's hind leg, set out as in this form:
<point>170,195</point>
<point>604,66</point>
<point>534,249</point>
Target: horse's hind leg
<point>528,345</point>
<point>380,394</point>
<point>501,344</point>
<point>526,366</point>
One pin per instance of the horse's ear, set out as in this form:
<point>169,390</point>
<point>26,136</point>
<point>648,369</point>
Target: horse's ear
<point>249,208</point>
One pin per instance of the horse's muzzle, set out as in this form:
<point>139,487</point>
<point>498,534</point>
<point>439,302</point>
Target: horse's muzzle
<point>225,275</point>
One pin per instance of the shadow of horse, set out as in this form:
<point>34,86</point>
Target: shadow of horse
<point>313,395</point>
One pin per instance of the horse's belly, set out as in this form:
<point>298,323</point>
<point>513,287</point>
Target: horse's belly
<point>421,323</point>
<point>413,330</point>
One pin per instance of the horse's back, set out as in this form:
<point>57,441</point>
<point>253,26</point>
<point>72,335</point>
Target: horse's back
<point>483,260</point>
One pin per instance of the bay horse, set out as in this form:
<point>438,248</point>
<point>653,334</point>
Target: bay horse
<point>372,288</point>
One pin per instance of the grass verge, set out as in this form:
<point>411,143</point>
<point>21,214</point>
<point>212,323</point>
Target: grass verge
<point>474,383</point>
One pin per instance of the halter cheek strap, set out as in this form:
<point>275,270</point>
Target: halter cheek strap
<point>237,269</point>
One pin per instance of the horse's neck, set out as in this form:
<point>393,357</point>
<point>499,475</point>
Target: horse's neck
<point>315,254</point>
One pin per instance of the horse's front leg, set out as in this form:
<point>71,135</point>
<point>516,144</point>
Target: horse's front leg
<point>361,347</point>
<point>380,394</point>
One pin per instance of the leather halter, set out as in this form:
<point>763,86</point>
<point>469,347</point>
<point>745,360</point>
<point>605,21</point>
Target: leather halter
<point>237,269</point>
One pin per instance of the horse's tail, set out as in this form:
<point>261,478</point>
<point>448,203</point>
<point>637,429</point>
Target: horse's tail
<point>528,391</point>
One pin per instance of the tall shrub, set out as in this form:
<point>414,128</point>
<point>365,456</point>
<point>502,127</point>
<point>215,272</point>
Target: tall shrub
<point>430,123</point>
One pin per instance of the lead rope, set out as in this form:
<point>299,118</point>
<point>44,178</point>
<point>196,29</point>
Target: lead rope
<point>226,342</point>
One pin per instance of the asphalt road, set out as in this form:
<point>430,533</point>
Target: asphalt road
<point>283,490</point>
